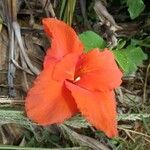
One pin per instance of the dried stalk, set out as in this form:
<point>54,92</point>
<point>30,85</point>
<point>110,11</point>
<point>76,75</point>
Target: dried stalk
<point>10,12</point>
<point>108,22</point>
<point>145,84</point>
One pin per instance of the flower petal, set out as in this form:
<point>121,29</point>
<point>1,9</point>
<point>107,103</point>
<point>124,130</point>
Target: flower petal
<point>98,107</point>
<point>65,68</point>
<point>48,101</point>
<point>64,39</point>
<point>98,71</point>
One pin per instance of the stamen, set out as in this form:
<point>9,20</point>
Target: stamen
<point>77,79</point>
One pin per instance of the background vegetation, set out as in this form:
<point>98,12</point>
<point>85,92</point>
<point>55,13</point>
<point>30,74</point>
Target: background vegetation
<point>121,25</point>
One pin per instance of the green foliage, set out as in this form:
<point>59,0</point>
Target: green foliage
<point>129,58</point>
<point>135,7</point>
<point>67,11</point>
<point>14,116</point>
<point>10,147</point>
<point>63,3</point>
<point>92,40</point>
<point>144,42</point>
<point>132,117</point>
<point>77,122</point>
<point>121,43</point>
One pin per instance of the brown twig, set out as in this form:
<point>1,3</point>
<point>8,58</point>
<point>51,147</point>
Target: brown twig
<point>145,83</point>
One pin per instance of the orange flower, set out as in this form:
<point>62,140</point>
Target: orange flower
<point>73,82</point>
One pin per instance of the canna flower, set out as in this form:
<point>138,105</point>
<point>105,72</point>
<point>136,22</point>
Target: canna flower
<point>72,81</point>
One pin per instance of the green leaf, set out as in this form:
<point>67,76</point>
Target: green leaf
<point>92,40</point>
<point>132,117</point>
<point>63,3</point>
<point>77,122</point>
<point>135,7</point>
<point>121,44</point>
<point>130,58</point>
<point>144,42</point>
<point>14,116</point>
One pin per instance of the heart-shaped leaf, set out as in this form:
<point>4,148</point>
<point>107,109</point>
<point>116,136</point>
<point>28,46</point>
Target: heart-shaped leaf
<point>92,40</point>
<point>129,58</point>
<point>135,7</point>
